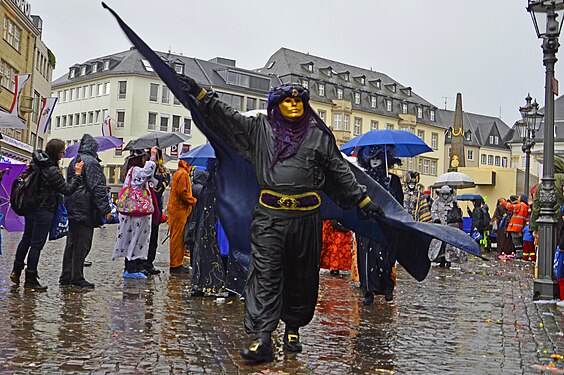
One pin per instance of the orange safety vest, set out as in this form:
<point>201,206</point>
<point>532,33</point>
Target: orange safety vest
<point>520,214</point>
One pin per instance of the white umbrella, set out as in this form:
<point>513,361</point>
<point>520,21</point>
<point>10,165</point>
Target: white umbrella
<point>254,112</point>
<point>455,180</point>
<point>10,121</point>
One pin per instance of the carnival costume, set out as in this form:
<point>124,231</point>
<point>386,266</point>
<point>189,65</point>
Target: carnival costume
<point>414,199</point>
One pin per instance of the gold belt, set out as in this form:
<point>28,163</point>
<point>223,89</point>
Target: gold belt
<point>294,202</point>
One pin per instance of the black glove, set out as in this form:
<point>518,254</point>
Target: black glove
<point>437,221</point>
<point>371,209</point>
<point>338,226</point>
<point>189,85</point>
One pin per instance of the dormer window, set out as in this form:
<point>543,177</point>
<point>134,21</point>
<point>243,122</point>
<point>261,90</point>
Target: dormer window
<point>406,91</point>
<point>94,67</point>
<point>403,107</point>
<point>308,66</point>
<point>392,87</point>
<point>106,64</point>
<point>468,135</point>
<point>356,98</point>
<point>389,105</point>
<point>305,84</point>
<point>82,70</point>
<point>373,101</point>
<point>328,71</point>
<point>361,79</point>
<point>147,66</point>
<point>376,82</point>
<point>432,115</point>
<point>71,73</point>
<point>344,76</point>
<point>179,68</point>
<point>419,112</point>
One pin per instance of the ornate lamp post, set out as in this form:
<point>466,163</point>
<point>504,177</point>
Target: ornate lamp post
<point>545,286</point>
<point>527,128</point>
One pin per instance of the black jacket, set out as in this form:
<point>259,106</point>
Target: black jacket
<point>51,181</point>
<point>90,201</point>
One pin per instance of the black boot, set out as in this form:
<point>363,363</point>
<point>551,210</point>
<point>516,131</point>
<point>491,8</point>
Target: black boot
<point>368,298</point>
<point>31,281</point>
<point>292,340</point>
<point>260,350</point>
<point>389,296</point>
<point>17,272</point>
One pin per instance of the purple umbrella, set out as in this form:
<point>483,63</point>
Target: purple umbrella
<point>104,143</point>
<point>11,221</point>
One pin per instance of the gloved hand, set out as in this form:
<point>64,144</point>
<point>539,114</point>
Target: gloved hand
<point>370,209</point>
<point>190,86</point>
<point>437,221</point>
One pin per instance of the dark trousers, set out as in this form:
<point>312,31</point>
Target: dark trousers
<point>36,230</point>
<point>375,263</point>
<point>153,244</point>
<point>133,266</point>
<point>284,271</point>
<point>79,242</point>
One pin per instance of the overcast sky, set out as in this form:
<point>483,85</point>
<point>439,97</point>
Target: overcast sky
<point>485,49</point>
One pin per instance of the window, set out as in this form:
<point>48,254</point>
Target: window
<point>187,126</point>
<point>468,135</point>
<point>483,159</point>
<point>490,159</point>
<point>106,64</point>
<point>390,126</point>
<point>152,123</point>
<point>70,118</point>
<point>373,101</point>
<point>100,89</point>
<point>79,93</point>
<point>449,152</point>
<point>147,66</point>
<point>234,101</point>
<point>251,104</point>
<point>76,119</point>
<point>496,140</point>
<point>491,140</point>
<point>419,112</point>
<point>388,105</point>
<point>305,84</point>
<point>433,167</point>
<point>82,70</point>
<point>322,115</point>
<point>92,91</point>
<point>153,92</point>
<point>434,141</point>
<point>346,122</point>
<point>373,125</point>
<point>357,126</point>
<point>337,118</point>
<point>421,134</point>
<point>404,107</point>
<point>71,95</point>
<point>122,89</point>
<point>339,93</point>
<point>118,152</point>
<point>179,68</point>
<point>9,80</point>
<point>504,162</point>
<point>262,104</point>
<point>321,89</point>
<point>83,118</point>
<point>237,79</point>
<point>164,123</point>
<point>94,67</point>
<point>165,99</point>
<point>432,115</point>
<point>420,165</point>
<point>498,161</point>
<point>107,88</point>
<point>175,123</point>
<point>36,106</point>
<point>12,33</point>
<point>71,74</point>
<point>356,98</point>
<point>470,154</point>
<point>426,166</point>
<point>65,95</point>
<point>91,117</point>
<point>96,117</point>
<point>120,119</point>
<point>58,121</point>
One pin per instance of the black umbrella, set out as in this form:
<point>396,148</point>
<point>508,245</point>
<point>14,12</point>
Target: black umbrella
<point>160,139</point>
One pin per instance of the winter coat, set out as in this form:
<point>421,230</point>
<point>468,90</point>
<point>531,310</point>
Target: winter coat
<point>51,181</point>
<point>480,218</point>
<point>527,235</point>
<point>90,201</point>
<point>518,220</point>
<point>181,199</point>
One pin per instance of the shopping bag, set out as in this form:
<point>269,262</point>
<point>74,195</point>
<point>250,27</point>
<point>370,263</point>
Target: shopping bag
<point>559,263</point>
<point>60,226</point>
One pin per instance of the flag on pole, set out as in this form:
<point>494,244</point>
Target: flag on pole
<point>107,126</point>
<point>20,80</point>
<point>45,116</point>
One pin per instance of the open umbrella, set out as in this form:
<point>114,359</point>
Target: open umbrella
<point>469,197</point>
<point>199,156</point>
<point>104,143</point>
<point>10,221</point>
<point>406,144</point>
<point>160,139</point>
<point>455,180</point>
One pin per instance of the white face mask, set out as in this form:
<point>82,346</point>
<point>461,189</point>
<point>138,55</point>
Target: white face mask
<point>411,186</point>
<point>375,162</point>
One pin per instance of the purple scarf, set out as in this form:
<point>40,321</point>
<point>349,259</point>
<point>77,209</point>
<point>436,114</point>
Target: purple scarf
<point>288,135</point>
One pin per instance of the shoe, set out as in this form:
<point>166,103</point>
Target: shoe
<point>87,263</point>
<point>334,272</point>
<point>17,272</point>
<point>133,275</point>
<point>64,282</point>
<point>151,270</point>
<point>368,298</point>
<point>83,284</point>
<point>179,269</point>
<point>389,296</point>
<point>32,282</point>
<point>259,351</point>
<point>292,341</point>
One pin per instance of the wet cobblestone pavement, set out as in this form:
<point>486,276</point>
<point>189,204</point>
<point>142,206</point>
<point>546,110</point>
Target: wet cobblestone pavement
<point>479,319</point>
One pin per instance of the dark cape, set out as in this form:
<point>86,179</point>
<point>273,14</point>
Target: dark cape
<point>238,194</point>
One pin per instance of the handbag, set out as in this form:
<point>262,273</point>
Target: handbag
<point>156,217</point>
<point>134,202</point>
<point>60,226</point>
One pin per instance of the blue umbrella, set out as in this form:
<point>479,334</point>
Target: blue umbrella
<point>469,197</point>
<point>199,156</point>
<point>406,144</point>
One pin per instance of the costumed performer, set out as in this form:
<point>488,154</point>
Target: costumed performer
<point>415,200</point>
<point>336,248</point>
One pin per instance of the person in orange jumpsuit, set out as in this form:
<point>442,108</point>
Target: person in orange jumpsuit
<point>180,205</point>
<point>336,252</point>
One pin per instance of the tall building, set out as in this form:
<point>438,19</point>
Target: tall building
<point>124,86</point>
<point>353,100</point>
<point>22,51</point>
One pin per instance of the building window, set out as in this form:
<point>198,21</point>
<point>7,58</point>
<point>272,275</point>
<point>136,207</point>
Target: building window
<point>404,107</point>
<point>322,115</point>
<point>70,120</point>
<point>154,92</point>
<point>373,125</point>
<point>419,112</point>
<point>100,89</point>
<point>12,33</point>
<point>82,70</point>
<point>65,95</point>
<point>305,84</point>
<point>122,89</point>
<point>357,126</point>
<point>339,93</point>
<point>179,68</point>
<point>91,117</point>
<point>76,119</point>
<point>434,141</point>
<point>490,159</point>
<point>321,89</point>
<point>432,115</point>
<point>147,66</point>
<point>337,118</point>
<point>71,95</point>
<point>120,119</point>
<point>346,122</point>
<point>491,140</point>
<point>263,104</point>
<point>421,134</point>
<point>234,101</point>
<point>58,121</point>
<point>118,152</point>
<point>152,123</point>
<point>164,123</point>
<point>498,161</point>
<point>71,74</point>
<point>175,123</point>
<point>83,118</point>
<point>165,99</point>
<point>79,93</point>
<point>251,104</point>
<point>96,117</point>
<point>483,159</point>
<point>504,162</point>
<point>106,64</point>
<point>426,166</point>
<point>468,135</point>
<point>390,126</point>
<point>356,98</point>
<point>496,140</point>
<point>92,91</point>
<point>388,105</point>
<point>433,167</point>
<point>9,72</point>
<point>187,126</point>
<point>373,101</point>
<point>470,154</point>
<point>107,88</point>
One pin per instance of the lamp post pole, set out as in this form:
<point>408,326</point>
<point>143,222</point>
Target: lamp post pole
<point>527,145</point>
<point>545,286</point>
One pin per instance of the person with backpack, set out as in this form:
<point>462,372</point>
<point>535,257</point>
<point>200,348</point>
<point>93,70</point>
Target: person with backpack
<point>520,214</point>
<point>480,220</point>
<point>46,183</point>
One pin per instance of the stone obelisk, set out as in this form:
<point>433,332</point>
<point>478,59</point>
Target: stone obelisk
<point>457,156</point>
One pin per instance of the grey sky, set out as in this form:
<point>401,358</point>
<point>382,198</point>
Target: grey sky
<point>485,49</point>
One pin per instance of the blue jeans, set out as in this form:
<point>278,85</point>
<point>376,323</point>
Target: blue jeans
<point>36,230</point>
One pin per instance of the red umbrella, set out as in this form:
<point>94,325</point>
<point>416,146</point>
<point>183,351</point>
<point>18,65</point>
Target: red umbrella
<point>533,191</point>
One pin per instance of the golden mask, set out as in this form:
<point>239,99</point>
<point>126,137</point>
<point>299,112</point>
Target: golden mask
<point>292,108</point>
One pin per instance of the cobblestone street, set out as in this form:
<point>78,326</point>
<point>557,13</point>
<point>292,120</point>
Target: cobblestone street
<point>479,319</point>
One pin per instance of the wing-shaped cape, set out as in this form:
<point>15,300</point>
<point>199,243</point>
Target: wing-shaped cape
<point>238,193</point>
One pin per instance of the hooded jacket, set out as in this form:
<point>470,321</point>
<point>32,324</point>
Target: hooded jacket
<point>51,181</point>
<point>90,201</point>
<point>519,218</point>
<point>181,198</point>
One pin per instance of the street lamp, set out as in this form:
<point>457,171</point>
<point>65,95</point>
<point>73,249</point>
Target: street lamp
<point>545,286</point>
<point>527,127</point>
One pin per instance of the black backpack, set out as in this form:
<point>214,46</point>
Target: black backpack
<point>24,196</point>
